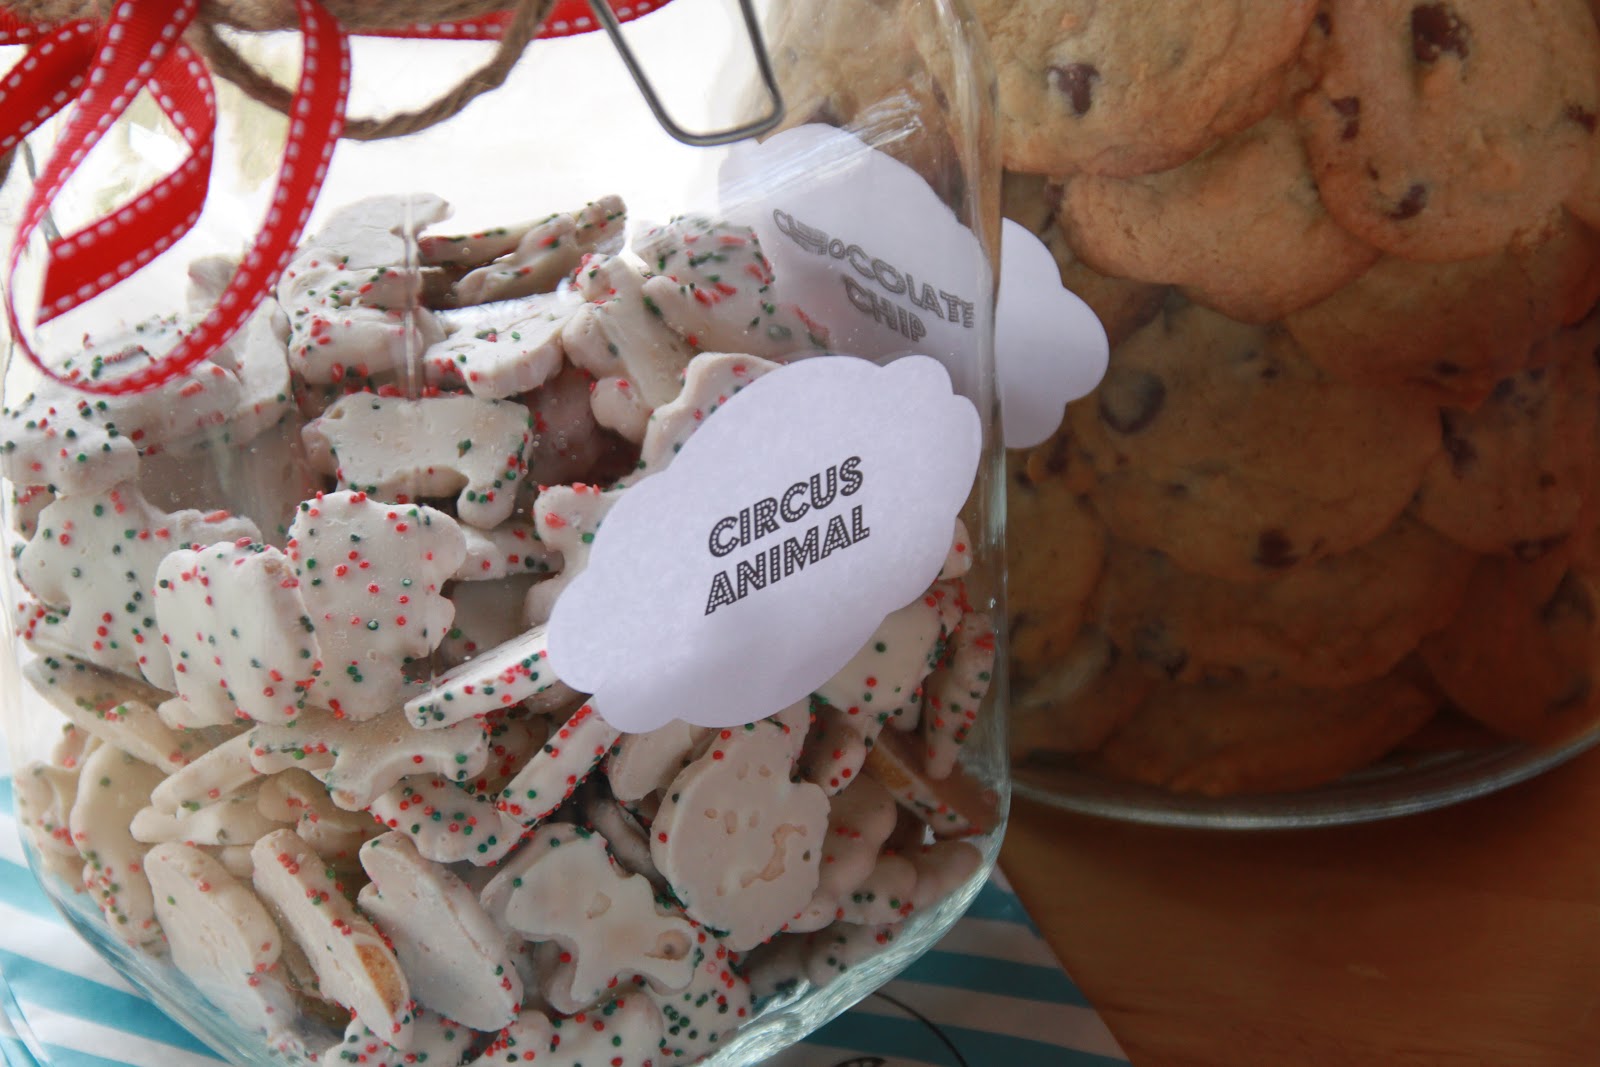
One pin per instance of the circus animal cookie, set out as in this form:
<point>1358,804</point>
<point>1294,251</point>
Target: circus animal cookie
<point>716,1003</point>
<point>370,575</point>
<point>346,295</point>
<point>434,1041</point>
<point>887,671</point>
<point>507,551</point>
<point>235,626</point>
<point>955,692</point>
<point>619,337</point>
<point>566,517</point>
<point>295,799</point>
<point>353,965</point>
<point>112,708</point>
<point>113,786</point>
<point>78,442</point>
<point>359,759</point>
<point>221,936</point>
<point>554,774</point>
<point>455,957</point>
<point>516,351</point>
<point>95,560</point>
<point>647,762</point>
<point>220,772</point>
<point>447,822</point>
<point>860,820</point>
<point>953,806</point>
<point>741,843</point>
<point>710,380</point>
<point>546,253</point>
<point>713,286</point>
<point>515,672</point>
<point>398,449</point>
<point>564,887</point>
<point>235,819</point>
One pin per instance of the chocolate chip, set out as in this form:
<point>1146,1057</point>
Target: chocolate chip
<point>1349,109</point>
<point>1547,480</point>
<point>1055,461</point>
<point>1463,455</point>
<point>1436,30</point>
<point>1275,550</point>
<point>1153,645</point>
<point>1130,400</point>
<point>1075,81</point>
<point>1323,22</point>
<point>1445,369</point>
<point>1410,205</point>
<point>1570,600</point>
<point>1582,116</point>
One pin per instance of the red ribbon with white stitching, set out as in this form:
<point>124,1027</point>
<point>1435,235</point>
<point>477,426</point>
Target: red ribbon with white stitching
<point>99,70</point>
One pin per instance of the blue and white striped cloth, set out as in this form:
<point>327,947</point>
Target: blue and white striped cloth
<point>991,993</point>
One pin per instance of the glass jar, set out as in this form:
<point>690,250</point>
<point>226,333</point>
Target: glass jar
<point>402,753</point>
<point>1320,547</point>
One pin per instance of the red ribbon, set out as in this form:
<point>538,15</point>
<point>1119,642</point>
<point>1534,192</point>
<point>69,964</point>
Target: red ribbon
<point>99,70</point>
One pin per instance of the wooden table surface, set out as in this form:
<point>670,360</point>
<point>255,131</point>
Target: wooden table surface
<point>1463,937</point>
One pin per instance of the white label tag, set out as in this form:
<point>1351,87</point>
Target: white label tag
<point>863,244</point>
<point>815,502</point>
<point>1049,346</point>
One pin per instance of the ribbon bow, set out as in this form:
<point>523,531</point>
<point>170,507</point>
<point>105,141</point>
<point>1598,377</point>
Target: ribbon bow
<point>99,69</point>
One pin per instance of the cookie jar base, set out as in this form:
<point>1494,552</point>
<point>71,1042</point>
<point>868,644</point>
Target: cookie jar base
<point>783,1021</point>
<point>1389,789</point>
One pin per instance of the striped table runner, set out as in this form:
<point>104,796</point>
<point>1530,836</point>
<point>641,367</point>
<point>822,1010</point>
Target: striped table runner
<point>991,993</point>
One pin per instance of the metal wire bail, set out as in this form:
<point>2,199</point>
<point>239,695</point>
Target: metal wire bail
<point>769,81</point>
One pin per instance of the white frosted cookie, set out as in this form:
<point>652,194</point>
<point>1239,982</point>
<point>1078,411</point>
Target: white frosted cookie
<point>740,843</point>
<point>455,957</point>
<point>221,936</point>
<point>545,253</point>
<point>398,449</point>
<point>94,559</point>
<point>354,966</point>
<point>370,574</point>
<point>709,381</point>
<point>573,750</point>
<point>955,692</point>
<point>517,672</point>
<point>446,822</point>
<point>566,518</point>
<point>358,760</point>
<point>114,708</point>
<point>235,627</point>
<point>714,286</point>
<point>564,887</point>
<point>500,355</point>
<point>111,789</point>
<point>619,337</point>
<point>435,1041</point>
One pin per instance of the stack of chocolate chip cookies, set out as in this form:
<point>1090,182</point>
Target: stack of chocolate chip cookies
<point>1336,496</point>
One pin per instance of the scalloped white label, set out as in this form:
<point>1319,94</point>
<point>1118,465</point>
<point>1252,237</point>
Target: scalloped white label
<point>815,502</point>
<point>868,249</point>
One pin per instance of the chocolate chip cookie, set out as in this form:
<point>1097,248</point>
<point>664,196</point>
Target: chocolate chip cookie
<point>1055,550</point>
<point>1522,654</point>
<point>1344,619</point>
<point>1448,130</point>
<point>1240,228</point>
<point>1134,87</point>
<point>1515,474</point>
<point>1222,446</point>
<point>1454,329</point>
<point>1227,738</point>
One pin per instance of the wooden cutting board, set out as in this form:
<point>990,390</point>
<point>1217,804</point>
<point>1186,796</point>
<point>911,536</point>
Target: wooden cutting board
<point>1463,937</point>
